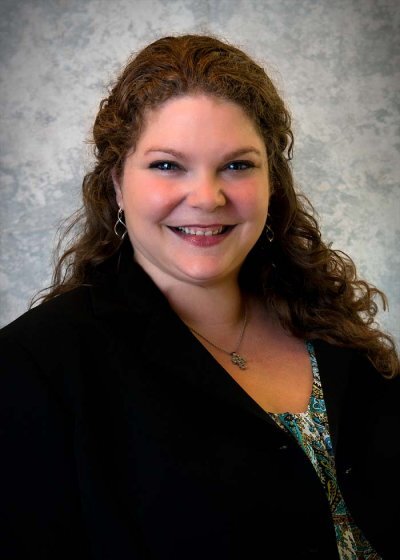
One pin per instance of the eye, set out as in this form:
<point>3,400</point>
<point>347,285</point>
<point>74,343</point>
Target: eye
<point>164,165</point>
<point>239,165</point>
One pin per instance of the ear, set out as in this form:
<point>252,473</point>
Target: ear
<point>117,187</point>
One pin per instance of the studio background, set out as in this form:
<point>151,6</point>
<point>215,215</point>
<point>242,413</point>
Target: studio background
<point>337,63</point>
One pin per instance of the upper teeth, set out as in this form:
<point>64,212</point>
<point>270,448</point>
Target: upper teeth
<point>192,231</point>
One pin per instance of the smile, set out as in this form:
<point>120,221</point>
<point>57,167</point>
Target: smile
<point>201,231</point>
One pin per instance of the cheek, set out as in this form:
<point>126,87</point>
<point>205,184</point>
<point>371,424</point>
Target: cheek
<point>253,201</point>
<point>147,201</point>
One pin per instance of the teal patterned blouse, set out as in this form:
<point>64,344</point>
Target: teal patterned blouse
<point>311,431</point>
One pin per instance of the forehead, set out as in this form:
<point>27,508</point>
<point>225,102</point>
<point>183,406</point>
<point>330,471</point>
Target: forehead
<point>200,115</point>
<point>193,99</point>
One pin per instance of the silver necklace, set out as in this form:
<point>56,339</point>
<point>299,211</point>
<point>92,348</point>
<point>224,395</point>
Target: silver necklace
<point>236,359</point>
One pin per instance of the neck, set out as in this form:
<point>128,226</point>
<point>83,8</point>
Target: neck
<point>209,308</point>
<point>218,319</point>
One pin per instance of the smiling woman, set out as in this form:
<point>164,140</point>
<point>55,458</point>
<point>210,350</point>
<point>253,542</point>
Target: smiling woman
<point>204,378</point>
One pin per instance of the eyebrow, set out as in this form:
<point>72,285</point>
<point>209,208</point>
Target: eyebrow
<point>230,155</point>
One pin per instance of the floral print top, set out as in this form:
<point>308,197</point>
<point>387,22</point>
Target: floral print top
<point>311,431</point>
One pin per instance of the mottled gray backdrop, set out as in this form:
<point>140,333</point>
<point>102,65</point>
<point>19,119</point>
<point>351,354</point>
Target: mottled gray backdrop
<point>337,63</point>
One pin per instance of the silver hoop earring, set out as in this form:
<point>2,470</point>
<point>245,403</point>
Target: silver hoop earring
<point>120,223</point>
<point>269,233</point>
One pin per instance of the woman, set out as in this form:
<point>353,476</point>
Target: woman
<point>170,397</point>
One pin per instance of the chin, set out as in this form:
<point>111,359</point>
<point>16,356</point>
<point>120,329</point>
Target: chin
<point>209,275</point>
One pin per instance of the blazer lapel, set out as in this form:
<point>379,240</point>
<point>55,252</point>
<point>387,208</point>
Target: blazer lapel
<point>334,365</point>
<point>181,352</point>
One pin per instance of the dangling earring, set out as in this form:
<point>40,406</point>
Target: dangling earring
<point>118,222</point>
<point>269,234</point>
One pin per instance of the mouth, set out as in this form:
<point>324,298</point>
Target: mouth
<point>206,231</point>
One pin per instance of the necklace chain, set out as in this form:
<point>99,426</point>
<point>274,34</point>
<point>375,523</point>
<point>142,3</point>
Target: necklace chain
<point>236,358</point>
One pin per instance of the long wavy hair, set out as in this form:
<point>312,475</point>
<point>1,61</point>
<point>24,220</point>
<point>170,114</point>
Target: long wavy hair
<point>313,289</point>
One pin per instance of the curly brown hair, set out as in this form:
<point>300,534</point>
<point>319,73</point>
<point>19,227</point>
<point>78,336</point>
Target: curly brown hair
<point>313,289</point>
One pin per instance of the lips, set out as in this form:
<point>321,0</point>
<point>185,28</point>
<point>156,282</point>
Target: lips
<point>202,236</point>
<point>206,231</point>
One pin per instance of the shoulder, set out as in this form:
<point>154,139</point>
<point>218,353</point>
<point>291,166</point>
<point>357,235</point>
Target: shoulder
<point>349,371</point>
<point>48,337</point>
<point>67,309</point>
<point>337,359</point>
<point>79,330</point>
<point>59,347</point>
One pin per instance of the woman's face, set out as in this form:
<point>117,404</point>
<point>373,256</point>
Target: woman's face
<point>195,191</point>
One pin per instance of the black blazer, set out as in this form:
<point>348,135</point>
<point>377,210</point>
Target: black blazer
<point>122,438</point>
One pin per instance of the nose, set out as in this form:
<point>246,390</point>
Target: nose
<point>206,193</point>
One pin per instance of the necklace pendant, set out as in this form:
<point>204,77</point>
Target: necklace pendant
<point>238,360</point>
